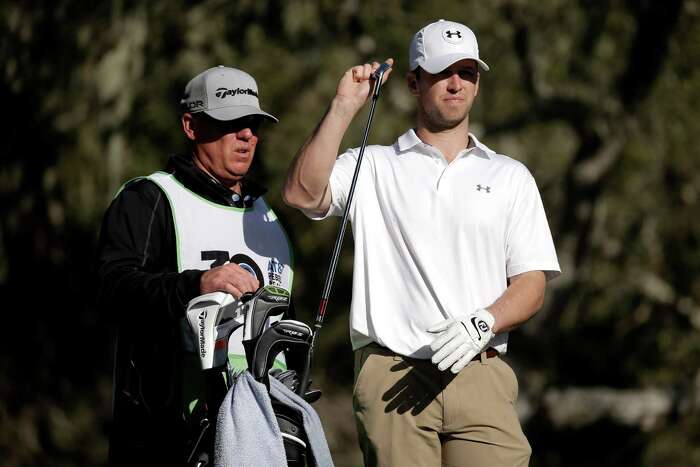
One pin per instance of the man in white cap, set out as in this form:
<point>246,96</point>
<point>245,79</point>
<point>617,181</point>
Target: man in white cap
<point>201,226</point>
<point>452,250</point>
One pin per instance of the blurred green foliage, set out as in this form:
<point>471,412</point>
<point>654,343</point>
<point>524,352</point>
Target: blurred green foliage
<point>598,98</point>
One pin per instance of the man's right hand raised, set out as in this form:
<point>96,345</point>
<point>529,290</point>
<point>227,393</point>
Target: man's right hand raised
<point>230,278</point>
<point>355,86</point>
<point>307,185</point>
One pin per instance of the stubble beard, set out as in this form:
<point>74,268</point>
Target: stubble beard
<point>436,120</point>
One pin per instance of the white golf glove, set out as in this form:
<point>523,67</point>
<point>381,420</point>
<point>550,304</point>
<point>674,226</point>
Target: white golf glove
<point>460,340</point>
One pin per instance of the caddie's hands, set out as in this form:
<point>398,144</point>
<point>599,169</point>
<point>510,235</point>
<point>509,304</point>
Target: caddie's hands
<point>458,341</point>
<point>230,278</point>
<point>356,85</point>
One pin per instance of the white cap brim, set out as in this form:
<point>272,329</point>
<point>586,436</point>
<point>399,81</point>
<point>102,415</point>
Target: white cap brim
<point>237,111</point>
<point>437,64</point>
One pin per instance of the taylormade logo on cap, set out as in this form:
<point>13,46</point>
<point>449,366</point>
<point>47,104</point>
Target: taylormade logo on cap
<point>442,43</point>
<point>224,94</point>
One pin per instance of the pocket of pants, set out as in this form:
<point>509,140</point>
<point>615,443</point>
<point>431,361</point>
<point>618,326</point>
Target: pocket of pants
<point>516,386</point>
<point>361,356</point>
<point>510,379</point>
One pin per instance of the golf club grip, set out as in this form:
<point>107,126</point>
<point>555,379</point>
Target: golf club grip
<point>378,75</point>
<point>341,230</point>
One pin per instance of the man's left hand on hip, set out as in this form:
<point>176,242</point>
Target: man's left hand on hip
<point>458,341</point>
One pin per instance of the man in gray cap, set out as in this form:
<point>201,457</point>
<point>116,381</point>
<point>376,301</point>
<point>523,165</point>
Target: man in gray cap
<point>452,250</point>
<point>202,226</point>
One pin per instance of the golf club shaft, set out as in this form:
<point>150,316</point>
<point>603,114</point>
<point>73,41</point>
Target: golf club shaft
<point>378,76</point>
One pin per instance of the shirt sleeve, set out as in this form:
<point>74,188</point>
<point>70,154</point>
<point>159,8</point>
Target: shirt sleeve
<point>529,244</point>
<point>339,182</point>
<point>136,259</point>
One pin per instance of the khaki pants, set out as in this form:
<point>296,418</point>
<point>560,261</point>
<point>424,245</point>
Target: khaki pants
<point>409,413</point>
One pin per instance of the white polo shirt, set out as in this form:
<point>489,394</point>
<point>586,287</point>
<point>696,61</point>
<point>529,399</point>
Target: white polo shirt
<point>435,240</point>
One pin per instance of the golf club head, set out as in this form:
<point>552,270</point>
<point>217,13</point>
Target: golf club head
<point>291,379</point>
<point>378,75</point>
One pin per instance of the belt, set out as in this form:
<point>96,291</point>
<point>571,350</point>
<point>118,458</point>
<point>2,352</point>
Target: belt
<point>490,353</point>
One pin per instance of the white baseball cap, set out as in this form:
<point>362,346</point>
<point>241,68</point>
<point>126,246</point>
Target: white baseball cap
<point>442,43</point>
<point>224,94</point>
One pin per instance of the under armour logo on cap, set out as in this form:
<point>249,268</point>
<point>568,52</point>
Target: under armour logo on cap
<point>442,43</point>
<point>449,35</point>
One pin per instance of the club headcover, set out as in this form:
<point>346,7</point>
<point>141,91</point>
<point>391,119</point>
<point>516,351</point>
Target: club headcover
<point>267,303</point>
<point>212,318</point>
<point>288,336</point>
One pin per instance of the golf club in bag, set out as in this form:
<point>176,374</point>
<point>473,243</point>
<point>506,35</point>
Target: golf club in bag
<point>267,340</point>
<point>377,76</point>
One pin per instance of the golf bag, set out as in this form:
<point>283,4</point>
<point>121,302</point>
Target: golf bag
<point>229,335</point>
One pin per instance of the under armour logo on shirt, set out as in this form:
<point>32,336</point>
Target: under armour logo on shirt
<point>487,189</point>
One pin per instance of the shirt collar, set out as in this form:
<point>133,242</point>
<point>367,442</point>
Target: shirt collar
<point>195,179</point>
<point>410,139</point>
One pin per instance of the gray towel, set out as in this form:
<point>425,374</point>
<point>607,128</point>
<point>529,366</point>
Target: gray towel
<point>312,424</point>
<point>247,434</point>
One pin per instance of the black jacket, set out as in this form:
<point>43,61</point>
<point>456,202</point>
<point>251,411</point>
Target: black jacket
<point>144,296</point>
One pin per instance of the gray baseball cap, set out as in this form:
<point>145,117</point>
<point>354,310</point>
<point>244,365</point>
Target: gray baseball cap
<point>442,43</point>
<point>223,93</point>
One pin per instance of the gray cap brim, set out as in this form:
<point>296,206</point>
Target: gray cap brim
<point>237,111</point>
<point>437,64</point>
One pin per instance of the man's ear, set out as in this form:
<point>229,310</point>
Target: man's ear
<point>412,82</point>
<point>189,126</point>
